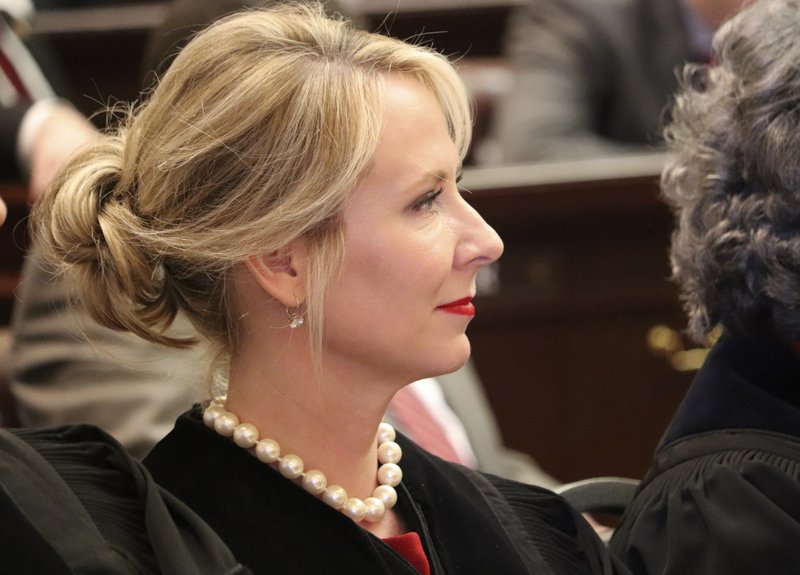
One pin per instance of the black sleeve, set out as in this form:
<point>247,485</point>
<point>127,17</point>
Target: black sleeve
<point>553,530</point>
<point>732,513</point>
<point>72,501</point>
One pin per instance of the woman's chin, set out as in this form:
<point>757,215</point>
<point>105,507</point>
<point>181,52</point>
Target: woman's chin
<point>455,360</point>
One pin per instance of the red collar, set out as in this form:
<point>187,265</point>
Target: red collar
<point>410,547</point>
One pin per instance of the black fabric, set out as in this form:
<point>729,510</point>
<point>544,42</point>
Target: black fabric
<point>24,550</point>
<point>73,502</point>
<point>723,493</point>
<point>747,382</point>
<point>10,121</point>
<point>469,523</point>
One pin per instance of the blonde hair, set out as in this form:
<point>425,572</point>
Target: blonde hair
<point>255,137</point>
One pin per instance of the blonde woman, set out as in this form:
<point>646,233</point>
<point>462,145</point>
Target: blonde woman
<point>291,185</point>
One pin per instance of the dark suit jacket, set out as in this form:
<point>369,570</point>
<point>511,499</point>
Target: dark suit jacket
<point>723,494</point>
<point>591,77</point>
<point>10,120</point>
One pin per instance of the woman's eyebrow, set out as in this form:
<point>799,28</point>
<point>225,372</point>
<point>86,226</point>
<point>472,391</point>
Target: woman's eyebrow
<point>434,176</point>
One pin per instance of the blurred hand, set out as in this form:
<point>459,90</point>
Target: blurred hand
<point>62,133</point>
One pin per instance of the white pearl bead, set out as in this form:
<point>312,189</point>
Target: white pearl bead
<point>355,509</point>
<point>291,466</point>
<point>385,433</point>
<point>374,509</point>
<point>245,435</point>
<point>314,481</point>
<point>390,474</point>
<point>389,452</point>
<point>387,494</point>
<point>335,496</point>
<point>225,423</point>
<point>268,450</point>
<point>211,413</point>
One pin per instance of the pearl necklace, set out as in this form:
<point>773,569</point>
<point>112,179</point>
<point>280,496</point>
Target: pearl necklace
<point>267,450</point>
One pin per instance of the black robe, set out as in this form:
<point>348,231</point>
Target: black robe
<point>73,502</point>
<point>469,523</point>
<point>723,493</point>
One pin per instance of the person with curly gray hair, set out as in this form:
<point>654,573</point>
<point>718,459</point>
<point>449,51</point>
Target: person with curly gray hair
<point>722,494</point>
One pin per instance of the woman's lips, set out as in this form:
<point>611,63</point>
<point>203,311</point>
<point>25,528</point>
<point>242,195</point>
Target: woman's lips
<point>462,306</point>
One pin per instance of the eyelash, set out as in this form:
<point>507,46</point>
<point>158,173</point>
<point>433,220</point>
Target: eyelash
<point>425,203</point>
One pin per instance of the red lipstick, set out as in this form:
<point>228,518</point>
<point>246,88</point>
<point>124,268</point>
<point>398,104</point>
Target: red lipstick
<point>461,306</point>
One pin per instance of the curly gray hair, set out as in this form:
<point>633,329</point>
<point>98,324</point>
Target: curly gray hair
<point>734,178</point>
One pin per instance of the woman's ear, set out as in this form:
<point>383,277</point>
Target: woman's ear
<point>282,273</point>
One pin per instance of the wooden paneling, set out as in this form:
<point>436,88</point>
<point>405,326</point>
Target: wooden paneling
<point>561,343</point>
<point>99,44</point>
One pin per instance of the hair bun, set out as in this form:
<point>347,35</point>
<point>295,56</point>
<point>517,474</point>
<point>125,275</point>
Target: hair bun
<point>88,223</point>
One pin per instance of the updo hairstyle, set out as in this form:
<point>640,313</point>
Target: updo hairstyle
<point>734,179</point>
<point>255,137</point>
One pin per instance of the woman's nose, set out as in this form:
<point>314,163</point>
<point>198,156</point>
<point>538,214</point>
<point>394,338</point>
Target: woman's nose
<point>480,245</point>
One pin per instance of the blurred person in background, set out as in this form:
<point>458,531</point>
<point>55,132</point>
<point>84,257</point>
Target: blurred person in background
<point>38,131</point>
<point>592,77</point>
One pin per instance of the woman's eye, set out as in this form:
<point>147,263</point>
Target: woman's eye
<point>425,203</point>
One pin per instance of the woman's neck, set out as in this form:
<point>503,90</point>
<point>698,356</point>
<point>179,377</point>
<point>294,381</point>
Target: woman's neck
<point>331,424</point>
